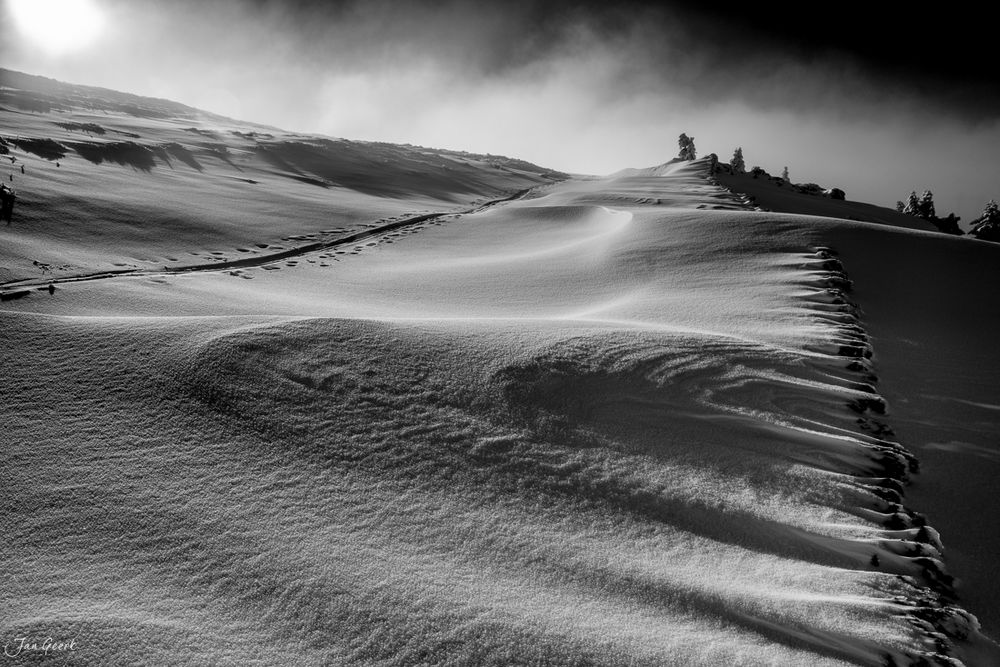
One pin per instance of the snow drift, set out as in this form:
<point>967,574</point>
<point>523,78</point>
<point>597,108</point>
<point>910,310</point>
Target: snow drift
<point>609,421</point>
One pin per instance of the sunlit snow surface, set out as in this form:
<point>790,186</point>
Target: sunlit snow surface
<point>608,423</point>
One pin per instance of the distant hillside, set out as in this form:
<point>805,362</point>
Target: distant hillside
<point>158,181</point>
<point>39,94</point>
<point>769,195</point>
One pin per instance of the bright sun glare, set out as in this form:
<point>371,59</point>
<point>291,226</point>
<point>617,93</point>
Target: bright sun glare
<point>58,26</point>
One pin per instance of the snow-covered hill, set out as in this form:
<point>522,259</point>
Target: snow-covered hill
<point>618,420</point>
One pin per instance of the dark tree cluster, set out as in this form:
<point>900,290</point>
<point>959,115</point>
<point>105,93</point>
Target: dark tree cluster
<point>985,227</point>
<point>923,207</point>
<point>737,165</point>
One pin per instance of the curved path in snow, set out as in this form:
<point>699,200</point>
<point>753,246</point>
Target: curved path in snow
<point>17,288</point>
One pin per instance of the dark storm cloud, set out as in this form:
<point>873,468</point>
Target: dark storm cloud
<point>772,56</point>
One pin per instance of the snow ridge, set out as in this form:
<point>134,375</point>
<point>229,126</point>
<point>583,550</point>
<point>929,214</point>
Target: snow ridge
<point>911,549</point>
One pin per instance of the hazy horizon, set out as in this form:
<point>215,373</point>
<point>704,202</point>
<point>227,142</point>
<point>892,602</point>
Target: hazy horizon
<point>576,87</point>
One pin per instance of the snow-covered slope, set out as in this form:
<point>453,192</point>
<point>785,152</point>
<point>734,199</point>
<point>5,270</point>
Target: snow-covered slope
<point>610,421</point>
<point>772,194</point>
<point>107,181</point>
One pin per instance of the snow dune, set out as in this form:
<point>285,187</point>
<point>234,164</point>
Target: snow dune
<point>615,421</point>
<point>368,491</point>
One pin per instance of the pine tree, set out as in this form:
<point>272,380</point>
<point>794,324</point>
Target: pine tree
<point>925,207</point>
<point>987,226</point>
<point>784,175</point>
<point>912,205</point>
<point>686,144</point>
<point>900,207</point>
<point>992,212</point>
<point>737,163</point>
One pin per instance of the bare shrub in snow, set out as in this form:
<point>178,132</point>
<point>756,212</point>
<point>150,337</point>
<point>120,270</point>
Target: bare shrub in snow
<point>949,225</point>
<point>809,188</point>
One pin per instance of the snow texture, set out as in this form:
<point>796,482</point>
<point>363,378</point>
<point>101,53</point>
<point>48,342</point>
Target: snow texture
<point>611,421</point>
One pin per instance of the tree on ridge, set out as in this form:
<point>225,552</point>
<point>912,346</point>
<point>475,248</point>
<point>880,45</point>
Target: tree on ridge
<point>737,163</point>
<point>925,207</point>
<point>987,226</point>
<point>686,144</point>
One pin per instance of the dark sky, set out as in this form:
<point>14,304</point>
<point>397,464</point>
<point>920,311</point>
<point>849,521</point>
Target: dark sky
<point>875,104</point>
<point>951,45</point>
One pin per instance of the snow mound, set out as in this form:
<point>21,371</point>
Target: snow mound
<point>465,414</point>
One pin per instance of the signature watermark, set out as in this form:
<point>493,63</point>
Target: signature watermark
<point>44,645</point>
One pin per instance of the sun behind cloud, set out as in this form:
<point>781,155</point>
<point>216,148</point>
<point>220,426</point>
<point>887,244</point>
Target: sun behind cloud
<point>58,27</point>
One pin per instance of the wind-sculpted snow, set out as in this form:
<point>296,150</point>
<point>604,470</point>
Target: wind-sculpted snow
<point>583,428</point>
